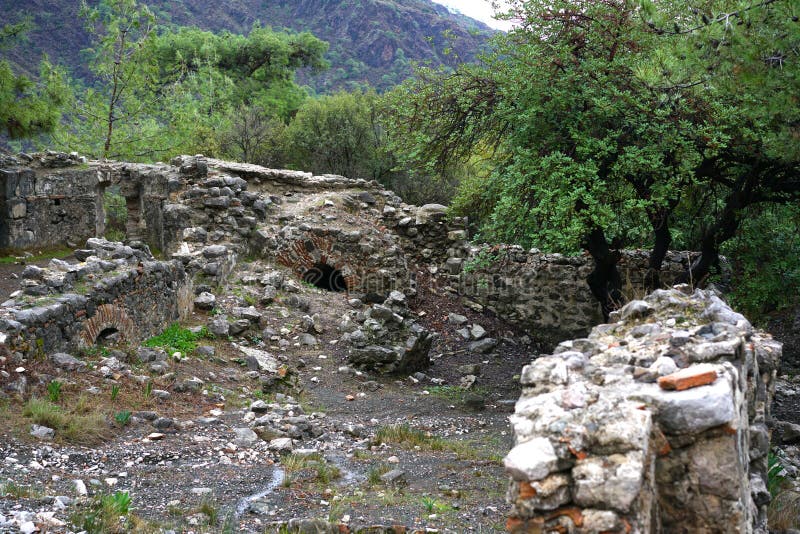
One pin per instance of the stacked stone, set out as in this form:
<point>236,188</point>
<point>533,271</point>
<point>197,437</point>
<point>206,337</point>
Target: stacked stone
<point>389,341</point>
<point>40,206</point>
<point>547,294</point>
<point>115,286</point>
<point>654,423</point>
<point>427,234</point>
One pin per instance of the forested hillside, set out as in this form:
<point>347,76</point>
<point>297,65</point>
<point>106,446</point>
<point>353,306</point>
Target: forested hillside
<point>371,41</point>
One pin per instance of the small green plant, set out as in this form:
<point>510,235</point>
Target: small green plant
<point>54,391</point>
<point>14,490</point>
<point>410,437</point>
<point>428,503</point>
<point>148,390</point>
<point>483,259</point>
<point>210,510</point>
<point>327,472</point>
<point>114,392</point>
<point>176,339</point>
<point>80,424</point>
<point>776,474</point>
<point>374,474</point>
<point>103,513</point>
<point>122,417</point>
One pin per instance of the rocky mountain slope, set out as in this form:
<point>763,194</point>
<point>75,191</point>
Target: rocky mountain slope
<point>372,41</point>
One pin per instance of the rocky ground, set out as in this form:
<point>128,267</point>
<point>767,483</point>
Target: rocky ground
<point>265,423</point>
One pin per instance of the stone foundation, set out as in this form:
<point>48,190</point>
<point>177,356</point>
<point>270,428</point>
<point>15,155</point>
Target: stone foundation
<point>66,307</point>
<point>654,423</point>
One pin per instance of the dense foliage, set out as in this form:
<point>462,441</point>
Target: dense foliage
<point>28,107</point>
<point>619,123</point>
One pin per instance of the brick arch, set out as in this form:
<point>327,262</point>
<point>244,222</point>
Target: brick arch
<point>310,250</point>
<point>108,316</point>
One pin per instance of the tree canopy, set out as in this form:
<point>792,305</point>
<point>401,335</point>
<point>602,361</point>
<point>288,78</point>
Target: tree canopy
<point>28,106</point>
<point>619,123</point>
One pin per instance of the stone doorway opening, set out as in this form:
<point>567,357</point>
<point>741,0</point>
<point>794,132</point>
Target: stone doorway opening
<point>326,277</point>
<point>108,336</point>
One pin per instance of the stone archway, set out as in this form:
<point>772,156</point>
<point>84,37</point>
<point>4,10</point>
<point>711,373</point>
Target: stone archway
<point>108,317</point>
<point>314,260</point>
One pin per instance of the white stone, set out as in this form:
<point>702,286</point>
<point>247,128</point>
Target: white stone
<point>608,482</point>
<point>531,460</point>
<point>696,409</point>
<point>80,487</point>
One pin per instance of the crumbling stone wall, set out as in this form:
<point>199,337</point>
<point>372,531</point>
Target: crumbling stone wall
<point>53,198</point>
<point>653,423</point>
<point>116,289</point>
<point>547,294</point>
<point>45,200</point>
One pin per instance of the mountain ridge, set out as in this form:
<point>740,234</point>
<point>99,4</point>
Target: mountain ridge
<point>372,42</point>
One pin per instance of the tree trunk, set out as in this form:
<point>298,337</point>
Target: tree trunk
<point>663,239</point>
<point>722,230</point>
<point>604,281</point>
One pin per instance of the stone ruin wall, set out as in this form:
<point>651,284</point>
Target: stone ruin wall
<point>50,199</point>
<point>190,209</point>
<point>655,423</point>
<point>118,289</point>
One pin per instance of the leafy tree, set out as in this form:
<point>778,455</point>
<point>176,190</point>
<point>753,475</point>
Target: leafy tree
<point>29,107</point>
<point>255,137</point>
<point>121,31</point>
<point>341,134</point>
<point>623,124</point>
<point>260,66</point>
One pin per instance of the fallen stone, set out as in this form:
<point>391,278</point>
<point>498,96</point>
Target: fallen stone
<point>66,361</point>
<point>395,477</point>
<point>245,437</point>
<point>219,326</point>
<point>456,319</point>
<point>281,445</point>
<point>205,301</point>
<point>483,346</point>
<point>42,432</point>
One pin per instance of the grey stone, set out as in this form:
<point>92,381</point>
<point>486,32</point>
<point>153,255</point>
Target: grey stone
<point>456,319</point>
<point>205,301</point>
<point>281,445</point>
<point>608,482</point>
<point>238,326</point>
<point>42,432</point>
<point>245,437</point>
<point>308,340</point>
<point>483,346</point>
<point>395,477</point>
<point>469,369</point>
<point>219,326</point>
<point>67,361</point>
<point>477,332</point>
<point>205,351</point>
<point>163,423</point>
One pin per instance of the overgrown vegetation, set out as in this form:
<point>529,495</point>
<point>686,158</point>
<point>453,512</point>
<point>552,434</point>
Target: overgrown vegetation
<point>177,339</point>
<point>80,423</point>
<point>104,514</point>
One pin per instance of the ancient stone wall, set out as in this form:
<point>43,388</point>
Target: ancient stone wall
<point>655,423</point>
<point>52,198</point>
<point>117,291</point>
<point>547,294</point>
<point>42,203</point>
